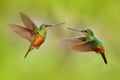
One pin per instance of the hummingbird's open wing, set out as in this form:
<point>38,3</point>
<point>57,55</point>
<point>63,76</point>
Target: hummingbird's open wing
<point>76,43</point>
<point>23,32</point>
<point>27,22</point>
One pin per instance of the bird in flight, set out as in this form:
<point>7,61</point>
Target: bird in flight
<point>36,35</point>
<point>87,43</point>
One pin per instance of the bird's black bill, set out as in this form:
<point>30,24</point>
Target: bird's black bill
<point>74,29</point>
<point>51,25</point>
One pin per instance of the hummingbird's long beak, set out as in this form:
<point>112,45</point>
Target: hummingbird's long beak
<point>74,29</point>
<point>83,31</point>
<point>52,25</point>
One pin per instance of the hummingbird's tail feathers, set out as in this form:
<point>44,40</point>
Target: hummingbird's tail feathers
<point>104,57</point>
<point>26,54</point>
<point>28,51</point>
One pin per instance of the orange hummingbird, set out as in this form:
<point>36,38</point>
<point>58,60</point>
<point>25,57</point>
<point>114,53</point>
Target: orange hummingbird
<point>31,32</point>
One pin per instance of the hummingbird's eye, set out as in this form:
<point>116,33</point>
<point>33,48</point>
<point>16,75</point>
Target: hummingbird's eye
<point>45,25</point>
<point>86,31</point>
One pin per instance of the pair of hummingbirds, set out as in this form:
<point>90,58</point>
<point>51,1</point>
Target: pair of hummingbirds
<point>37,36</point>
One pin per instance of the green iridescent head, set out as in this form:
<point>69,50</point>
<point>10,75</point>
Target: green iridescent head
<point>42,26</point>
<point>87,32</point>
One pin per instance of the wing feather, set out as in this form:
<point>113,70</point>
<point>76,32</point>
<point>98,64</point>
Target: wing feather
<point>27,22</point>
<point>76,43</point>
<point>23,32</point>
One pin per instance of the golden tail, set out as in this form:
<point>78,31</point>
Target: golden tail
<point>103,56</point>
<point>28,51</point>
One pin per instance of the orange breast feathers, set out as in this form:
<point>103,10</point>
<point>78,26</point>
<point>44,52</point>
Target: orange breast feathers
<point>99,48</point>
<point>38,40</point>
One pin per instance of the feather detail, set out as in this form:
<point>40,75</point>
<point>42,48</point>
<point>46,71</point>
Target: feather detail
<point>27,22</point>
<point>23,32</point>
<point>76,43</point>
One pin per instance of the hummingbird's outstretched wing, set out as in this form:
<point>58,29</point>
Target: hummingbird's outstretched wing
<point>23,32</point>
<point>27,22</point>
<point>76,43</point>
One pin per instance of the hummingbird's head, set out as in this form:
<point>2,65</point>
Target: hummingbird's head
<point>87,32</point>
<point>44,27</point>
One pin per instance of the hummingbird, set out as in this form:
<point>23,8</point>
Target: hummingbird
<point>36,36</point>
<point>87,43</point>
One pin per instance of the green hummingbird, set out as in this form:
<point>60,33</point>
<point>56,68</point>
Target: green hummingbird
<point>31,32</point>
<point>87,43</point>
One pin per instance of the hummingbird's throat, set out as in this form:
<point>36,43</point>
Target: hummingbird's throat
<point>46,28</point>
<point>85,33</point>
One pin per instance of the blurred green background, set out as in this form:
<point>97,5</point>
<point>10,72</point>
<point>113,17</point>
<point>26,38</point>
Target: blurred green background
<point>51,61</point>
